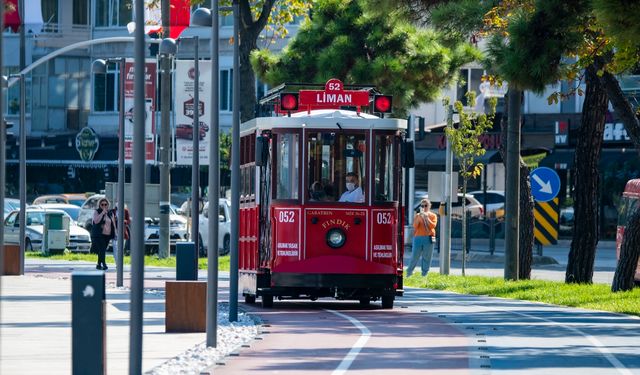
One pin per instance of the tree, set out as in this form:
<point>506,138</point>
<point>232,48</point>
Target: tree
<point>466,146</point>
<point>346,40</point>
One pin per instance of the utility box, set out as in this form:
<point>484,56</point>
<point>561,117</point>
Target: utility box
<point>56,232</point>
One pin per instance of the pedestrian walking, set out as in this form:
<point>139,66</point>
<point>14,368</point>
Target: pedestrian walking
<point>424,237</point>
<point>101,232</point>
<point>116,222</point>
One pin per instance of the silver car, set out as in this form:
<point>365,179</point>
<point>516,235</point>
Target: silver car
<point>224,228</point>
<point>79,238</point>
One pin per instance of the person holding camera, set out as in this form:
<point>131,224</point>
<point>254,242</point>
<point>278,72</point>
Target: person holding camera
<point>102,231</point>
<point>424,238</point>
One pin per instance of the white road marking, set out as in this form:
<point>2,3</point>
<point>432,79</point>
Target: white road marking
<point>600,346</point>
<point>355,349</point>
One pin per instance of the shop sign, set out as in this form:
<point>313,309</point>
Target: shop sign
<point>87,143</point>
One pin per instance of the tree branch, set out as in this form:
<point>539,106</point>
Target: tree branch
<point>267,7</point>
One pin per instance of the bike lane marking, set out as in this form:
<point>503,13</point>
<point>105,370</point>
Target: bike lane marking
<point>355,348</point>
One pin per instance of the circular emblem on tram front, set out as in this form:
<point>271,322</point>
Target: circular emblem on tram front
<point>87,143</point>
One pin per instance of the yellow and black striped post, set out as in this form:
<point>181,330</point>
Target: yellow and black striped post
<point>546,217</point>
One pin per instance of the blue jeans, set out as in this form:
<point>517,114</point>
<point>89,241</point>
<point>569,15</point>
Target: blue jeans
<point>422,247</point>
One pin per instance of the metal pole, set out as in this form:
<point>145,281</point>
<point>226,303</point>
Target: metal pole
<point>121,213</point>
<point>512,188</point>
<point>214,187</point>
<point>412,172</point>
<point>445,236</point>
<point>165,146</point>
<point>3,149</point>
<point>23,170</point>
<point>138,184</point>
<point>235,169</point>
<point>195,168</point>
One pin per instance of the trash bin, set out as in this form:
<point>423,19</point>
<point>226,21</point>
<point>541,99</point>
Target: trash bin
<point>186,261</point>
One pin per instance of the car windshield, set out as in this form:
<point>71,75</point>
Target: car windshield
<point>35,218</point>
<point>71,211</point>
<point>76,202</point>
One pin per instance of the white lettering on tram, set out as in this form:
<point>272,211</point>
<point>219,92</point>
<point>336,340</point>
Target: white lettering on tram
<point>323,97</point>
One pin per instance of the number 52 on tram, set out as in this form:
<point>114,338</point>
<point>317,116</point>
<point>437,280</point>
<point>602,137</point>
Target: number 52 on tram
<point>321,207</point>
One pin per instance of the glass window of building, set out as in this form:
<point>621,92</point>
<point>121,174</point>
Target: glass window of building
<point>113,12</point>
<point>105,90</point>
<point>226,89</point>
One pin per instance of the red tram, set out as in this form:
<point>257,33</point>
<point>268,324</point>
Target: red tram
<point>321,207</point>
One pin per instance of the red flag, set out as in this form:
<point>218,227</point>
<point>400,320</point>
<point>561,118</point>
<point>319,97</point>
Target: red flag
<point>12,16</point>
<point>179,17</point>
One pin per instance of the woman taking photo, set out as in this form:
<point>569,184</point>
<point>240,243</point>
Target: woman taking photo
<point>102,232</point>
<point>424,237</point>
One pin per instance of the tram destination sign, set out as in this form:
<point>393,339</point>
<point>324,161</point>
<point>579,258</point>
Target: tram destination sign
<point>334,96</point>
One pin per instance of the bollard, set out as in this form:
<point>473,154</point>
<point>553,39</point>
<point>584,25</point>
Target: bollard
<point>186,261</point>
<point>88,324</point>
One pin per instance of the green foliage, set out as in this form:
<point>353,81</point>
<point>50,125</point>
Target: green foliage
<point>346,40</point>
<point>465,142</point>
<point>586,296</point>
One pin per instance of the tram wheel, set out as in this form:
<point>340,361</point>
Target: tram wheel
<point>267,301</point>
<point>364,301</point>
<point>249,299</point>
<point>387,302</point>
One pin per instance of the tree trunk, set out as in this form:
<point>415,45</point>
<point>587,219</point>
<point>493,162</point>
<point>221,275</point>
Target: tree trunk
<point>587,180</point>
<point>623,279</point>
<point>247,77</point>
<point>525,236</point>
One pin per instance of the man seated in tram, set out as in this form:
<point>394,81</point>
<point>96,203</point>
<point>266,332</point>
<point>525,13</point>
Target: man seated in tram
<point>354,191</point>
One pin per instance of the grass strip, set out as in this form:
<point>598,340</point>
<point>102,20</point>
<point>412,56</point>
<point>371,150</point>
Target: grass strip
<point>586,296</point>
<point>149,260</point>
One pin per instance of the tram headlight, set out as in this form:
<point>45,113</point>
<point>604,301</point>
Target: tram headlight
<point>336,238</point>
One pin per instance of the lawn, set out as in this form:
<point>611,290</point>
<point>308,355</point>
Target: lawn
<point>149,260</point>
<point>586,296</point>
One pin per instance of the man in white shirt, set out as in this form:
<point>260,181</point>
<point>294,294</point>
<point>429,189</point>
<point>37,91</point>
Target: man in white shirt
<point>354,192</point>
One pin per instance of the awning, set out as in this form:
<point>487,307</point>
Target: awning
<point>431,157</point>
<point>563,158</point>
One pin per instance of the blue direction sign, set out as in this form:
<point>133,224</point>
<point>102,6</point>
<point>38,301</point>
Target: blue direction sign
<point>545,184</point>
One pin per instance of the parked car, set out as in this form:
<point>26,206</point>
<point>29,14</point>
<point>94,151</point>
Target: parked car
<point>224,228</point>
<point>177,224</point>
<point>79,238</point>
<point>76,199</point>
<point>494,200</point>
<point>177,231</point>
<point>185,131</point>
<point>472,205</point>
<point>71,209</point>
<point>86,211</point>
<point>10,204</point>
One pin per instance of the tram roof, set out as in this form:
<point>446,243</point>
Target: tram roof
<point>325,118</point>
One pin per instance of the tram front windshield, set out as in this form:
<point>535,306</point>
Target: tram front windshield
<point>332,159</point>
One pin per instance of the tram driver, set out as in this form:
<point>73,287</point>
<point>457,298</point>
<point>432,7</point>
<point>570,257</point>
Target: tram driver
<point>354,191</point>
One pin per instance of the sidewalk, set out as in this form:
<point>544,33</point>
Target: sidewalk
<point>35,326</point>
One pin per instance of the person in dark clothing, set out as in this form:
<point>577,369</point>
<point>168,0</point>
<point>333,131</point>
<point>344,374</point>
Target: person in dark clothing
<point>102,230</point>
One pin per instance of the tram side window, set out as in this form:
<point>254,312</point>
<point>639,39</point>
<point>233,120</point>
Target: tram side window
<point>286,168</point>
<point>331,155</point>
<point>385,156</point>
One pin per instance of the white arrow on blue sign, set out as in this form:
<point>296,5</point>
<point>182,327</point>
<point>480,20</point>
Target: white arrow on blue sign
<point>545,184</point>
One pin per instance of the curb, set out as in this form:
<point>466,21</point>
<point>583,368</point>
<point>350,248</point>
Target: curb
<point>487,258</point>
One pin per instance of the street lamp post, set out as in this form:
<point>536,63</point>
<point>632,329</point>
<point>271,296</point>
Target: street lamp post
<point>205,17</point>
<point>100,67</point>
<point>138,187</point>
<point>195,168</point>
<point>167,51</point>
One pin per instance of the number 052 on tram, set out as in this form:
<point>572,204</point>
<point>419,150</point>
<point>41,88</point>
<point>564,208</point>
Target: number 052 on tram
<point>321,207</point>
